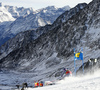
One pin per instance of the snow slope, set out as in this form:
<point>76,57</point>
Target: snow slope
<point>19,11</point>
<point>4,14</point>
<point>88,82</point>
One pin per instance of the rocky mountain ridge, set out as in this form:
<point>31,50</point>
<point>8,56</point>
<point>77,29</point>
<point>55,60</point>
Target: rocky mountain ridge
<point>26,19</point>
<point>45,56</point>
<point>34,34</point>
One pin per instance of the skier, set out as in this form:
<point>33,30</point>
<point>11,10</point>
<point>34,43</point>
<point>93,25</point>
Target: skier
<point>66,72</point>
<point>25,85</point>
<point>63,72</point>
<point>41,84</point>
<point>93,64</point>
<point>36,84</point>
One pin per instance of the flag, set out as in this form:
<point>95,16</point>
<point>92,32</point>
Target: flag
<point>78,56</point>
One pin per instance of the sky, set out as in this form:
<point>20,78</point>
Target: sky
<point>37,4</point>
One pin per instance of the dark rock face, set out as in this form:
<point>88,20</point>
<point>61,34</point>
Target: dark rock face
<point>68,14</point>
<point>34,34</point>
<point>22,38</point>
<point>50,49</point>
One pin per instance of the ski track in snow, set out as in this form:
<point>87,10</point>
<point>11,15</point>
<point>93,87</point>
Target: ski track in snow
<point>87,82</point>
<point>75,83</point>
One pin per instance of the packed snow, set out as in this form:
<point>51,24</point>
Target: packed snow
<point>87,82</point>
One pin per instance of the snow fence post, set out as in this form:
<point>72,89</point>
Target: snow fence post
<point>74,63</point>
<point>82,60</point>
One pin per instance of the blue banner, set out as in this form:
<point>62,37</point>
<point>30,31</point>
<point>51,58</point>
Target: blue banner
<point>78,56</point>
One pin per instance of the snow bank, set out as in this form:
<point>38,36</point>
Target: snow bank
<point>88,82</point>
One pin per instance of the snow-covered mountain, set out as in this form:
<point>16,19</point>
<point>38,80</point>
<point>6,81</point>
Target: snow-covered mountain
<point>36,33</point>
<point>26,19</point>
<point>42,17</point>
<point>44,57</point>
<point>11,13</point>
<point>4,14</point>
<point>68,14</point>
<point>19,11</point>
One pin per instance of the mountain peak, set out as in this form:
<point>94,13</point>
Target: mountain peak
<point>51,8</point>
<point>81,5</point>
<point>66,7</point>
